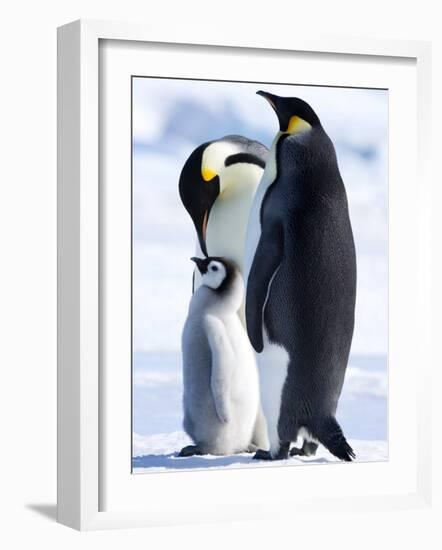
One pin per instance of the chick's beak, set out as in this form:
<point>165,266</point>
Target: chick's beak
<point>201,264</point>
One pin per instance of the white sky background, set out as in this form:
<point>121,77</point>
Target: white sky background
<point>172,117</point>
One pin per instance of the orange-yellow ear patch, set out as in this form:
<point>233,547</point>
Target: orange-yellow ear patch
<point>207,173</point>
<point>297,124</point>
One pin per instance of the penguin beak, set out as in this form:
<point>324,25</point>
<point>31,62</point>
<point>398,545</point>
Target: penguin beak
<point>201,213</point>
<point>270,97</point>
<point>275,102</point>
<point>201,264</point>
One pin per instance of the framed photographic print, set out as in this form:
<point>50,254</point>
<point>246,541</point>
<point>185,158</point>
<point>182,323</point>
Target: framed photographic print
<point>239,224</point>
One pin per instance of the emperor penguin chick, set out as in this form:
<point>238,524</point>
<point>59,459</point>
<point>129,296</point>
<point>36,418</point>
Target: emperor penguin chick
<point>221,387</point>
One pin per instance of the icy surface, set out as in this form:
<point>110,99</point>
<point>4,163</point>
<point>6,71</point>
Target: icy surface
<point>159,453</point>
<point>157,415</point>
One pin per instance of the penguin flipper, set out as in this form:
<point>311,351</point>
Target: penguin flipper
<point>265,264</point>
<point>223,361</point>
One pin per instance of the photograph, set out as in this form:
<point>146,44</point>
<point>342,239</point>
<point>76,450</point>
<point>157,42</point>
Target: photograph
<point>259,274</point>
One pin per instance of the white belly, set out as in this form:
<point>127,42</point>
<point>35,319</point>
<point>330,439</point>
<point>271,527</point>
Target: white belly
<point>272,366</point>
<point>226,230</point>
<point>227,226</point>
<point>273,360</point>
<point>254,225</point>
<point>228,219</point>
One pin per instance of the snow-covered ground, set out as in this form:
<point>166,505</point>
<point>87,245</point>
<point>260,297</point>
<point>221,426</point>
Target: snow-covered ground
<point>159,454</point>
<point>157,416</point>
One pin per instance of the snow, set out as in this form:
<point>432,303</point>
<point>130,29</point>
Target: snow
<point>157,416</point>
<point>158,453</point>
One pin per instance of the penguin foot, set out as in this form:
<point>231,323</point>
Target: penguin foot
<point>308,449</point>
<point>190,450</point>
<point>262,455</point>
<point>282,454</point>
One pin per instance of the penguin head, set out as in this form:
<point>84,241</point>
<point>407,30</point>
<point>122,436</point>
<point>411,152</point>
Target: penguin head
<point>211,169</point>
<point>216,273</point>
<point>233,159</point>
<point>213,162</point>
<point>294,114</point>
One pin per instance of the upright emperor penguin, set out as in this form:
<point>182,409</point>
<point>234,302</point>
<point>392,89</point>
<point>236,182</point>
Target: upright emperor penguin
<point>301,286</point>
<point>221,387</point>
<point>217,186</point>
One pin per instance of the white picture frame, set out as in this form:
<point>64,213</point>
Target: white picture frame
<point>81,471</point>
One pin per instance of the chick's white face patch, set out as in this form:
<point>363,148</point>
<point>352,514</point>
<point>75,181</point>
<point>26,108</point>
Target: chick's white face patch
<point>215,275</point>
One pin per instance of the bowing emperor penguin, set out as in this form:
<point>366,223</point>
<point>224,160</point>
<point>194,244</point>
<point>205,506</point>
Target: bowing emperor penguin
<point>217,185</point>
<point>301,285</point>
<point>221,386</point>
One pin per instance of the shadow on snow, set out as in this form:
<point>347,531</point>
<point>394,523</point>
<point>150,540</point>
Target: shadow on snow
<point>172,461</point>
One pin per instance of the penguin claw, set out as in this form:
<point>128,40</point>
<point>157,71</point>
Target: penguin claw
<point>296,451</point>
<point>308,449</point>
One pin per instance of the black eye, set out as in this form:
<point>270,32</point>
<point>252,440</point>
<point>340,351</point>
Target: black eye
<point>214,268</point>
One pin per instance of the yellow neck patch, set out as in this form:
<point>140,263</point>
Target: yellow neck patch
<point>297,125</point>
<point>207,173</point>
